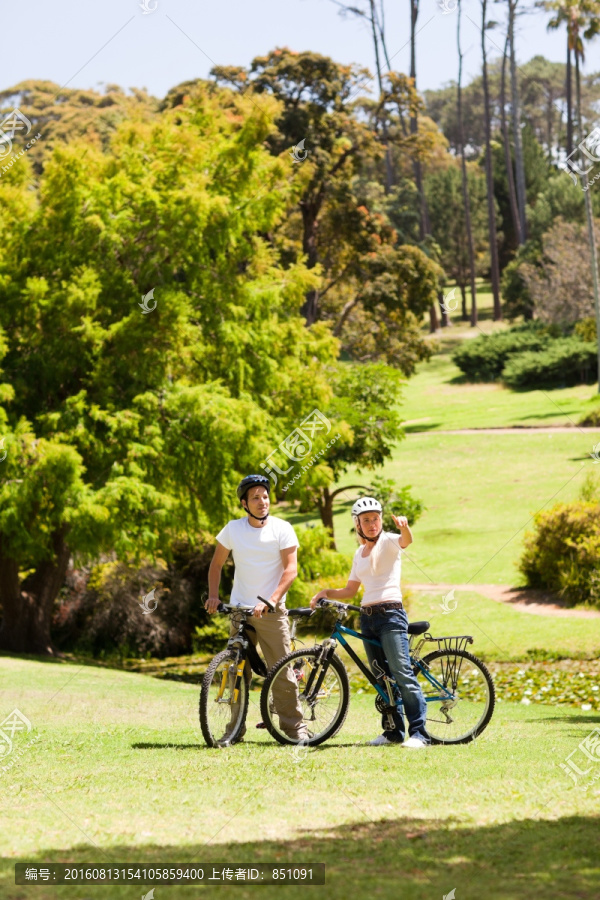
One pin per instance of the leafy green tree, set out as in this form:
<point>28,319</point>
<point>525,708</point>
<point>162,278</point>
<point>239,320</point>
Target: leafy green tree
<point>126,428</point>
<point>64,114</point>
<point>364,413</point>
<point>446,203</point>
<point>337,229</point>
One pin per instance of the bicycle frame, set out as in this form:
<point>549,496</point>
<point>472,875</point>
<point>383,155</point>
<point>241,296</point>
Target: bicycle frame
<point>338,633</point>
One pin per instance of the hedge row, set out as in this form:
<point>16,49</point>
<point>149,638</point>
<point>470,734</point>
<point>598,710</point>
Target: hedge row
<point>563,363</point>
<point>530,356</point>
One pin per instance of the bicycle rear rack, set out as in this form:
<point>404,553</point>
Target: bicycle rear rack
<point>450,643</point>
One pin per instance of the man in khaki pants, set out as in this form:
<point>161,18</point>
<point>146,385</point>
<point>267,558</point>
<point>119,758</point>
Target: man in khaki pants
<point>265,550</point>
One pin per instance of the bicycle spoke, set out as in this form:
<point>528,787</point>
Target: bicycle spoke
<point>460,696</point>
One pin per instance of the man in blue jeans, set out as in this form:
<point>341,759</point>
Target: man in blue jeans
<point>376,566</point>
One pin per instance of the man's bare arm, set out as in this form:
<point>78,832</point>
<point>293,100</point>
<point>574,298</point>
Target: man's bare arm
<point>214,577</point>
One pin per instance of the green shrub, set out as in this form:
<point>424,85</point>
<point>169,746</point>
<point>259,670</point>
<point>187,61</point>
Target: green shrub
<point>586,329</point>
<point>563,553</point>
<point>398,501</point>
<point>484,358</point>
<point>592,416</point>
<point>517,300</point>
<point>318,566</point>
<point>564,362</point>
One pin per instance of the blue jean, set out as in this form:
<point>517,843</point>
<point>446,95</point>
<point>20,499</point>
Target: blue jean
<point>390,629</point>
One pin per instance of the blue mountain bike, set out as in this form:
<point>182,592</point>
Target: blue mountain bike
<point>457,686</point>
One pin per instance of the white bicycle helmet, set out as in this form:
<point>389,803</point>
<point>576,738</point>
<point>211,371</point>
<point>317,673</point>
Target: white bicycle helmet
<point>366,504</point>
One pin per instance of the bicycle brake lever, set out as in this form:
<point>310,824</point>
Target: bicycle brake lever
<point>268,603</point>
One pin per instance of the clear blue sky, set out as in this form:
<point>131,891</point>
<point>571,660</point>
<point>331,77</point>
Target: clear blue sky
<point>83,43</point>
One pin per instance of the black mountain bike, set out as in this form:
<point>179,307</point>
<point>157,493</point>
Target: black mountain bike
<point>224,692</point>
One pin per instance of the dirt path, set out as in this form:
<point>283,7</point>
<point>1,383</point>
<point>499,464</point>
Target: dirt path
<point>539,603</point>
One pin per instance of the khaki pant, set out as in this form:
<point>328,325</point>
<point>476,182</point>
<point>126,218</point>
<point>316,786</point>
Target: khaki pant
<point>273,634</point>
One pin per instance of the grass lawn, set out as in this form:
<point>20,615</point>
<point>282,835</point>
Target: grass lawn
<point>481,492</point>
<point>120,774</point>
<point>503,633</point>
<point>438,398</point>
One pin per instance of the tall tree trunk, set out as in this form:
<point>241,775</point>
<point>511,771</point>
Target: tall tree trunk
<point>465,185</point>
<point>512,193</point>
<point>389,177</point>
<point>463,299</point>
<point>550,124</point>
<point>569,92</point>
<point>310,308</point>
<point>27,606</point>
<point>445,315</point>
<point>325,505</point>
<point>516,117</point>
<point>489,175</point>
<point>589,213</point>
<point>424,223</point>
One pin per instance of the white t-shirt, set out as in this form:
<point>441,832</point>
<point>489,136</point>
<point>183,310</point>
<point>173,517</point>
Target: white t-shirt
<point>385,586</point>
<point>257,557</point>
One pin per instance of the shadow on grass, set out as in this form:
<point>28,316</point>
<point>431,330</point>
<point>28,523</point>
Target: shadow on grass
<point>578,720</point>
<point>410,858</point>
<point>272,745</point>
<point>551,415</point>
<point>426,426</point>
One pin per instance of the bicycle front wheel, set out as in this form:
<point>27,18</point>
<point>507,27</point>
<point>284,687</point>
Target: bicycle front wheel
<point>223,701</point>
<point>460,696</point>
<point>323,692</point>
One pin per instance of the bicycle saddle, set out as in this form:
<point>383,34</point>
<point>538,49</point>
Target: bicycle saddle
<point>418,627</point>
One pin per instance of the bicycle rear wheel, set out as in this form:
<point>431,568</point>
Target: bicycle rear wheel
<point>462,716</point>
<point>324,694</point>
<point>223,701</point>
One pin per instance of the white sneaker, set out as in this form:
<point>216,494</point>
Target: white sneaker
<point>415,743</point>
<point>380,741</point>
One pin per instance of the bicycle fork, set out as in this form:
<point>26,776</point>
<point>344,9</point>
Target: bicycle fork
<point>317,675</point>
<point>235,672</point>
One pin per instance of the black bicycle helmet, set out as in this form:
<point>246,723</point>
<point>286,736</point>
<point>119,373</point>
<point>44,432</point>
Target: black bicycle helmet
<point>252,481</point>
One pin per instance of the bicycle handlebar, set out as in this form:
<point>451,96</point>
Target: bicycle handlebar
<point>336,603</point>
<point>228,607</point>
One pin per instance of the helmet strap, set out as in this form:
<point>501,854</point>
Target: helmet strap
<point>258,518</point>
<point>364,537</point>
